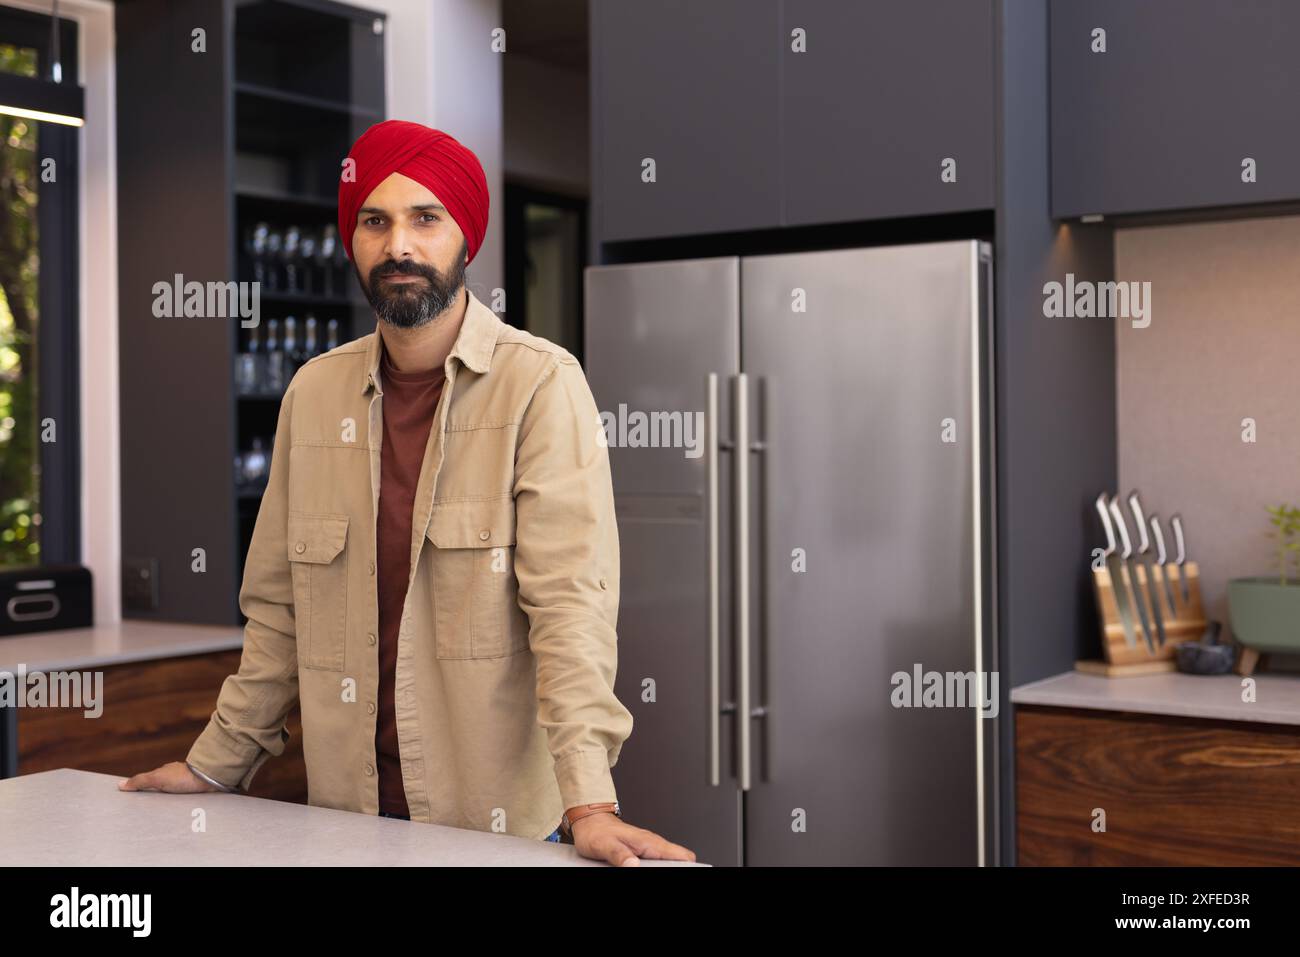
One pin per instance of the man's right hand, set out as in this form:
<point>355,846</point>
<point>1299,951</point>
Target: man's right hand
<point>174,777</point>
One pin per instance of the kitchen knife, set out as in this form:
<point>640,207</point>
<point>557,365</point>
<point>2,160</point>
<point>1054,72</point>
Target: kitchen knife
<point>1116,570</point>
<point>1144,556</point>
<point>1161,557</point>
<point>1176,522</point>
<point>1130,569</point>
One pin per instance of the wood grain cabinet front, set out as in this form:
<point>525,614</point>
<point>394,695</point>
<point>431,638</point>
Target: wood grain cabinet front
<point>1108,788</point>
<point>151,713</point>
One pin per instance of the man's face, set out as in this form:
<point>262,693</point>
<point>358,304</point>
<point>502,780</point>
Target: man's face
<point>411,250</point>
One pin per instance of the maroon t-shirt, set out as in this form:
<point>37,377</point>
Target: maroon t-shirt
<point>409,402</point>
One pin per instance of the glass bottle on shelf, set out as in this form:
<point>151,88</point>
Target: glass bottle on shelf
<point>290,347</point>
<point>274,382</point>
<point>255,246</point>
<point>292,250</point>
<point>329,240</point>
<point>307,253</point>
<point>331,335</point>
<point>246,371</point>
<point>309,345</point>
<point>274,249</point>
<point>255,464</point>
<point>339,269</point>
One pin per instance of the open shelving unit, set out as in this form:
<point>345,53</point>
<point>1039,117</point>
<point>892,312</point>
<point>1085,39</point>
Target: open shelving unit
<point>308,82</point>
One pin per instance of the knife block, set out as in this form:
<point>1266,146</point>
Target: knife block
<point>1183,620</point>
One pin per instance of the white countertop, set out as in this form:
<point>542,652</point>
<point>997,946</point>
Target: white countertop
<point>66,817</point>
<point>1277,697</point>
<point>72,649</point>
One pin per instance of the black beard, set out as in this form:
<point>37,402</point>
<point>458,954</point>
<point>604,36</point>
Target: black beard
<point>408,305</point>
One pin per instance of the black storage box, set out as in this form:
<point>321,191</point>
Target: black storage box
<point>47,598</point>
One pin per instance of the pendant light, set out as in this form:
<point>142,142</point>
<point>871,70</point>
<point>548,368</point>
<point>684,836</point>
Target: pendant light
<point>47,100</point>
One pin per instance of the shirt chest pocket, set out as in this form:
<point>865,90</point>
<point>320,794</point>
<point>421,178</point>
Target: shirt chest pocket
<point>475,594</point>
<point>319,559</point>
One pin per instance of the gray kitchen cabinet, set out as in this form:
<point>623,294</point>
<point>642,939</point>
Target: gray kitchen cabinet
<point>759,114</point>
<point>1185,92</point>
<point>883,98</point>
<point>691,87</point>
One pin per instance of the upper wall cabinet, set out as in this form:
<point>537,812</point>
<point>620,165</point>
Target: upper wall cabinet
<point>758,113</point>
<point>684,116</point>
<point>1173,104</point>
<point>886,108</point>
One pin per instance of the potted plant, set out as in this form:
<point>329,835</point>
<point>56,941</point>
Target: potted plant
<point>1265,611</point>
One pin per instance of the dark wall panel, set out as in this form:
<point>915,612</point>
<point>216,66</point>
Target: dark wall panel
<point>1055,396</point>
<point>173,210</point>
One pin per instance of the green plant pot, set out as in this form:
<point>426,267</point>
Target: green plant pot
<point>1265,614</point>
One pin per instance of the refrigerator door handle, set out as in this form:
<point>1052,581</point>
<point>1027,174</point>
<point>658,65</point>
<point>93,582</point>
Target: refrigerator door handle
<point>712,442</point>
<point>741,498</point>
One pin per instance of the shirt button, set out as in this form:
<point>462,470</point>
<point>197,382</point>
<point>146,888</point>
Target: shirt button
<point>300,548</point>
<point>370,638</point>
<point>372,568</point>
<point>370,770</point>
<point>484,534</point>
<point>604,584</point>
<point>370,708</point>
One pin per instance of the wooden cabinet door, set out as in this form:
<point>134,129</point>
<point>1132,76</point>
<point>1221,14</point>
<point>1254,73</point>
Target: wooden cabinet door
<point>1174,791</point>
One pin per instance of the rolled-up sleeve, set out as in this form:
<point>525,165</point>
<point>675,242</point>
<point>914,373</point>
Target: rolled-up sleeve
<point>248,726</point>
<point>567,565</point>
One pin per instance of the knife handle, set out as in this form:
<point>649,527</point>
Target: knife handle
<point>1121,528</point>
<point>1159,538</point>
<point>1136,505</point>
<point>1106,523</point>
<point>1176,522</point>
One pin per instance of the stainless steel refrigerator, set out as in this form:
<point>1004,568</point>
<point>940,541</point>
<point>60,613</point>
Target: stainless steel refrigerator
<point>801,448</point>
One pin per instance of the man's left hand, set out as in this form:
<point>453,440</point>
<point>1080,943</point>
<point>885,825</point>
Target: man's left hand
<point>607,837</point>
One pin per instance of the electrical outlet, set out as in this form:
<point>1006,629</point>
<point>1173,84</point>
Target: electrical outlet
<point>140,584</point>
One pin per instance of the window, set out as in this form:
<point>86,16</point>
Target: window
<point>40,520</point>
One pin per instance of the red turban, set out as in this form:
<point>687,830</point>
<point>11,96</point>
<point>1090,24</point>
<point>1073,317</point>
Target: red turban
<point>433,159</point>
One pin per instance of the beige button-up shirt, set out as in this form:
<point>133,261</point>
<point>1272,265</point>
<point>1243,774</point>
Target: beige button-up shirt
<point>506,714</point>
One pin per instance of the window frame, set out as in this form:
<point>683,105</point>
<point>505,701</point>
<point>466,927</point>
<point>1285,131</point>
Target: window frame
<point>58,294</point>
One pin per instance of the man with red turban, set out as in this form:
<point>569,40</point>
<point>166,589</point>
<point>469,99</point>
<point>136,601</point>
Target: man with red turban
<point>488,548</point>
<point>443,186</point>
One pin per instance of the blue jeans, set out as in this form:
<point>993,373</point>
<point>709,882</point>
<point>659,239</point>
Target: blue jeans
<point>555,835</point>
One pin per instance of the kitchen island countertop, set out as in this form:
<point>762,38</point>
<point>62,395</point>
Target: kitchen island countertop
<point>118,643</point>
<point>67,817</point>
<point>1277,696</point>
